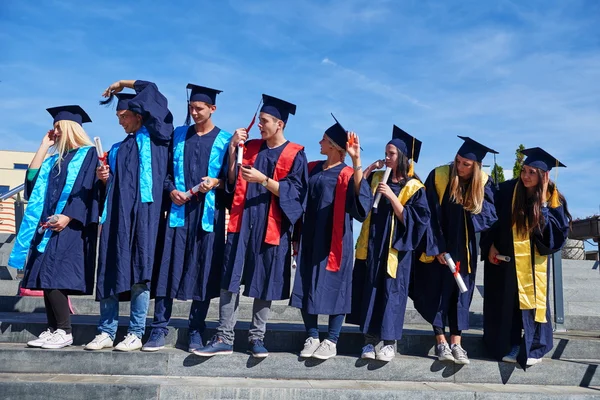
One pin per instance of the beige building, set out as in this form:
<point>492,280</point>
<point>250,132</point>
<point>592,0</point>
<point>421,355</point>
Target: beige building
<point>13,166</point>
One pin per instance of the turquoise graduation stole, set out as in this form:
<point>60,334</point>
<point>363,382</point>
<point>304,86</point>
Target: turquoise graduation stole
<point>142,138</point>
<point>215,162</point>
<point>35,206</point>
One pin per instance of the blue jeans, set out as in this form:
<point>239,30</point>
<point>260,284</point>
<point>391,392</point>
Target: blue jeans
<point>163,306</point>
<point>109,312</point>
<point>312,326</point>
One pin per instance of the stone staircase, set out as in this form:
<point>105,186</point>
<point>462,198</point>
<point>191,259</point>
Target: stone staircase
<point>569,371</point>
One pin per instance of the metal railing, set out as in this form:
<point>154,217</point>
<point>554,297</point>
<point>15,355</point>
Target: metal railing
<point>12,192</point>
<point>19,204</point>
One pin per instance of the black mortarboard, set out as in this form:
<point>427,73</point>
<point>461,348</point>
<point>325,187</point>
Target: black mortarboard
<point>406,143</point>
<point>69,113</point>
<point>539,158</point>
<point>203,94</point>
<point>473,150</point>
<point>337,134</point>
<point>123,100</point>
<point>278,108</point>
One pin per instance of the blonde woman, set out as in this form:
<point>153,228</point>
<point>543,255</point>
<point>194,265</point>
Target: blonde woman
<point>60,226</point>
<point>461,202</point>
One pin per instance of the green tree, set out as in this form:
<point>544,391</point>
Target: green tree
<point>498,174</point>
<point>518,161</point>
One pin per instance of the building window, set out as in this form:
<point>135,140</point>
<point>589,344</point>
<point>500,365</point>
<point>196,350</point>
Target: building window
<point>4,189</point>
<point>20,166</point>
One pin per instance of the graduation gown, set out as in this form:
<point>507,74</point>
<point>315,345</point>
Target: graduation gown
<point>191,259</point>
<point>501,311</point>
<point>128,236</point>
<point>434,287</point>
<point>378,300</point>
<point>317,290</point>
<point>69,261</point>
<point>265,269</point>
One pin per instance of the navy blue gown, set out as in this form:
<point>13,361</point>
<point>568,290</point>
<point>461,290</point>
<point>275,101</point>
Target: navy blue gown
<point>69,261</point>
<point>434,288</point>
<point>129,234</point>
<point>265,269</point>
<point>378,300</point>
<point>191,258</point>
<point>316,290</point>
<point>502,316</point>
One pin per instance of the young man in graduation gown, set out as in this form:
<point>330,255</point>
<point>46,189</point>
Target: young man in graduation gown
<point>56,242</point>
<point>384,250</point>
<point>190,259</point>
<point>337,194</point>
<point>533,222</point>
<point>461,201</point>
<point>131,216</point>
<point>269,197</point>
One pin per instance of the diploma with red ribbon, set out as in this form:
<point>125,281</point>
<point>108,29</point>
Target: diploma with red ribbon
<point>455,269</point>
<point>101,154</point>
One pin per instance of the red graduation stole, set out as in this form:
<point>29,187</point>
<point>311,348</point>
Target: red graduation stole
<point>339,216</point>
<point>282,169</point>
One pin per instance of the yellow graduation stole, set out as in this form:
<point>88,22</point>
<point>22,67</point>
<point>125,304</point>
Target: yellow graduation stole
<point>442,178</point>
<point>532,292</point>
<point>411,187</point>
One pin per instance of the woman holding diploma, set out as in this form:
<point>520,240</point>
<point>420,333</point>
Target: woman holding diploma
<point>384,251</point>
<point>461,201</point>
<point>194,235</point>
<point>337,194</point>
<point>533,222</point>
<point>60,226</point>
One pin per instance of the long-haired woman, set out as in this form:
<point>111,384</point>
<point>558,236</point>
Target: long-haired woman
<point>533,222</point>
<point>384,251</point>
<point>60,226</point>
<point>461,201</point>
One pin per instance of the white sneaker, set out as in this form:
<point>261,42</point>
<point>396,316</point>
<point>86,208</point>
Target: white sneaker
<point>310,345</point>
<point>512,356</point>
<point>58,340</point>
<point>532,361</point>
<point>326,350</point>
<point>43,338</point>
<point>387,353</point>
<point>460,354</point>
<point>130,343</point>
<point>100,342</point>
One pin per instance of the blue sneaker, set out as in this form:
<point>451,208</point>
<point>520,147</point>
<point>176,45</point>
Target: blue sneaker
<point>156,341</point>
<point>194,341</point>
<point>257,349</point>
<point>215,347</point>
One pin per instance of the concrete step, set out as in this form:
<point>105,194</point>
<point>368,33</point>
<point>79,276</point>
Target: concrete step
<point>91,387</point>
<point>177,363</point>
<point>285,336</point>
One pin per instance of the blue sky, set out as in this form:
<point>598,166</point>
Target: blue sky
<point>501,72</point>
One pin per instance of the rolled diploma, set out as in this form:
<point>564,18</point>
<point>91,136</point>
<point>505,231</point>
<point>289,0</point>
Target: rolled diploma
<point>459,281</point>
<point>386,176</point>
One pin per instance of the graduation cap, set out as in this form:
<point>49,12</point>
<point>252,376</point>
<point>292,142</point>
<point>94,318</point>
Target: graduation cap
<point>69,113</point>
<point>278,108</point>
<point>539,158</point>
<point>408,145</point>
<point>473,150</point>
<point>200,93</point>
<point>337,134</point>
<point>123,100</point>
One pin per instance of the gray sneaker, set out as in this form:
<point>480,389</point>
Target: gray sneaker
<point>460,355</point>
<point>443,352</point>
<point>310,346</point>
<point>326,350</point>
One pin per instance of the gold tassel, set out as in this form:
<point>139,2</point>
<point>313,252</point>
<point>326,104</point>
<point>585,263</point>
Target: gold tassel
<point>411,167</point>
